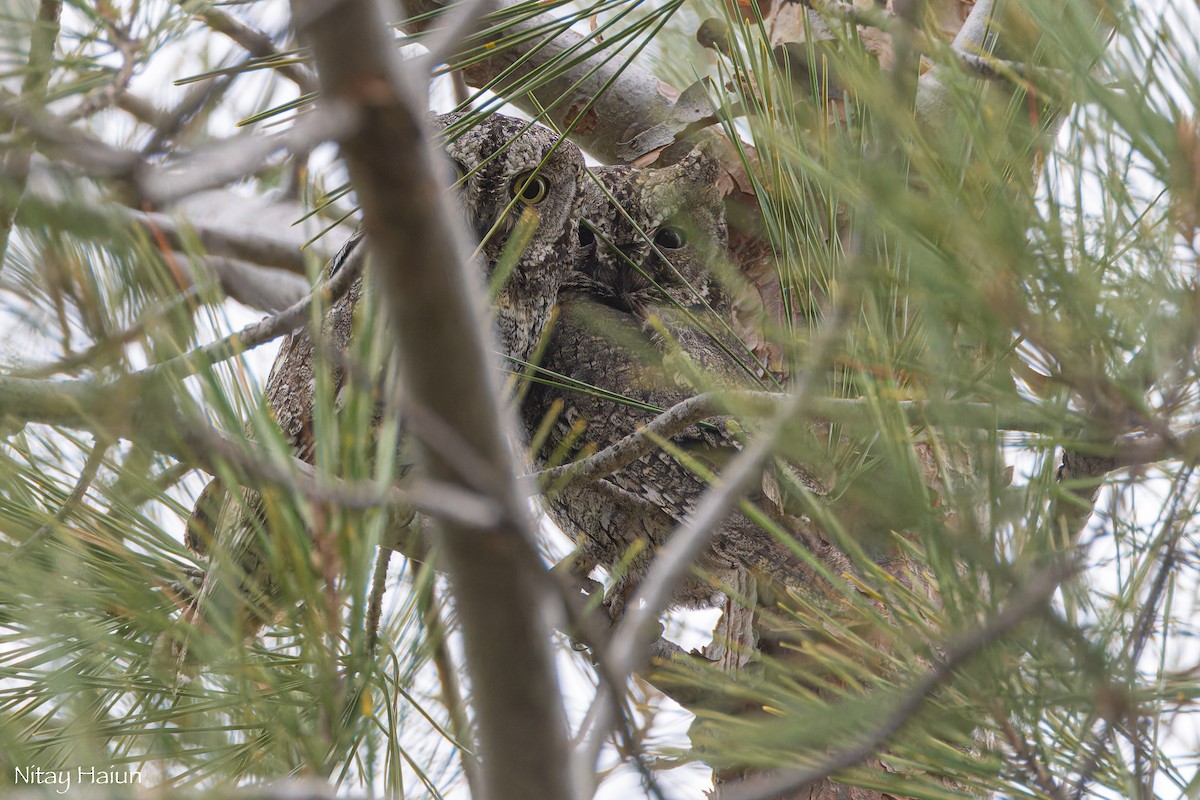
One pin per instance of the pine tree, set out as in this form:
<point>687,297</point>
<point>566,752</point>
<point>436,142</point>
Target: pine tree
<point>966,241</point>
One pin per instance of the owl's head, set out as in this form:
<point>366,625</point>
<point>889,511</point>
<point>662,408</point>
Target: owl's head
<point>652,235</point>
<point>519,184</point>
<point>506,167</point>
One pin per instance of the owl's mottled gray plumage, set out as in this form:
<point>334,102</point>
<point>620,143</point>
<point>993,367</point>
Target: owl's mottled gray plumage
<point>490,158</point>
<point>639,320</point>
<point>494,157</point>
<point>505,168</point>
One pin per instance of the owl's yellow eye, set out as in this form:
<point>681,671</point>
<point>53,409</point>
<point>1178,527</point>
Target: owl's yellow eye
<point>460,171</point>
<point>530,189</point>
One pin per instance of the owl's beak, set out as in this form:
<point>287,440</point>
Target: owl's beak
<point>491,227</point>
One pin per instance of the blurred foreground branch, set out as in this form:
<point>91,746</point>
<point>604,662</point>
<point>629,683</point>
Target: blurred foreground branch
<point>421,260</point>
<point>33,87</point>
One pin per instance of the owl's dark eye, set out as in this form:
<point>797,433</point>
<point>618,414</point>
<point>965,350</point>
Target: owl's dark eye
<point>587,236</point>
<point>529,188</point>
<point>670,238</point>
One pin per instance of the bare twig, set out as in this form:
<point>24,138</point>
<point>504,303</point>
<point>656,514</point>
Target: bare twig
<point>695,409</point>
<point>645,440</point>
<point>170,123</point>
<point>139,108</point>
<point>259,45</point>
<point>129,48</point>
<point>235,158</point>
<point>219,163</point>
<point>1026,602</point>
<point>347,268</point>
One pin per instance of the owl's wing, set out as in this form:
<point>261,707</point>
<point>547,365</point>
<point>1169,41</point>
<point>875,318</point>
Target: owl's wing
<point>290,392</point>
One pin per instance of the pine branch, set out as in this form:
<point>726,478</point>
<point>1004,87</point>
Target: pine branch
<point>137,409</point>
<point>91,468</point>
<point>225,224</point>
<point>253,335</point>
<point>1023,604</point>
<point>33,87</point>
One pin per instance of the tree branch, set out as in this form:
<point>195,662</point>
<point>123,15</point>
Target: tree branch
<point>168,124</point>
<point>675,420</point>
<point>225,224</point>
<point>1027,601</point>
<point>934,105</point>
<point>219,163</point>
<point>263,288</point>
<point>252,246</point>
<point>422,261</point>
<point>138,408</point>
<point>259,45</point>
<point>233,159</point>
<point>129,48</point>
<point>601,119</point>
<point>253,335</point>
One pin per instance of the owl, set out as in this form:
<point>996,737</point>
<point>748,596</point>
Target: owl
<point>512,176</point>
<point>516,181</point>
<point>643,326</point>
